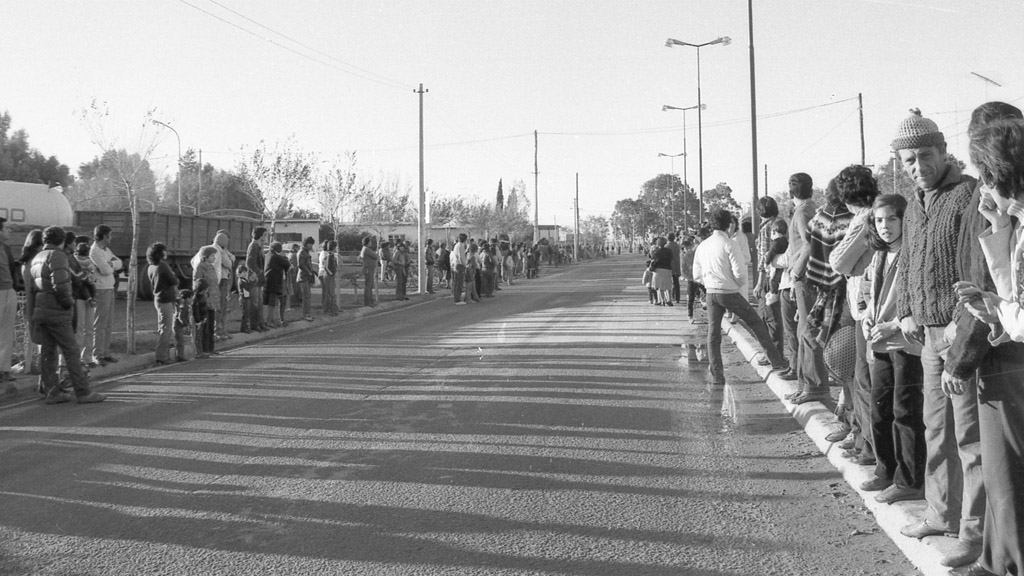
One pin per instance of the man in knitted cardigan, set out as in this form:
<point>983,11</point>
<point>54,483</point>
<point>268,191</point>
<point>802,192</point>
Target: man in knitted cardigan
<point>926,301</point>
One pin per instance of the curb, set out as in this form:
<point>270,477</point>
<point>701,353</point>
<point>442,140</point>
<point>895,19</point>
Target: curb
<point>817,421</point>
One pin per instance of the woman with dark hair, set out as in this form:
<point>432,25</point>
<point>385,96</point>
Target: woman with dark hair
<point>857,190</point>
<point>897,400</point>
<point>661,266</point>
<point>997,150</point>
<point>771,314</point>
<point>33,245</point>
<point>276,274</point>
<point>165,298</point>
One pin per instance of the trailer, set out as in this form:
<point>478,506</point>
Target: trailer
<point>183,236</point>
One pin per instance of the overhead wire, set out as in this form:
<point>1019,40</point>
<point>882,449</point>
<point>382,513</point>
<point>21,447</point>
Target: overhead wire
<point>363,74</point>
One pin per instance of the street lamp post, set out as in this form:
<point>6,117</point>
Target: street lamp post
<point>171,128</point>
<point>672,178</point>
<point>724,41</point>
<point>686,157</point>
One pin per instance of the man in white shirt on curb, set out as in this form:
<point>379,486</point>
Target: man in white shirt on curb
<point>106,266</point>
<point>460,258</point>
<point>717,265</point>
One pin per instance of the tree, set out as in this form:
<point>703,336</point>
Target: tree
<point>22,163</point>
<point>720,197</point>
<point>336,185</point>
<point>594,231</point>
<point>630,220</point>
<point>99,187</point>
<point>446,211</point>
<point>275,179</point>
<point>499,204</point>
<point>126,169</point>
<point>671,203</point>
<point>381,202</point>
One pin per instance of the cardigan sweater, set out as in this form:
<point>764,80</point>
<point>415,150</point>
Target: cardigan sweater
<point>932,251</point>
<point>824,232</point>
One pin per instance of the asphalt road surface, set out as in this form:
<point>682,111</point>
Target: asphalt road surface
<point>548,431</point>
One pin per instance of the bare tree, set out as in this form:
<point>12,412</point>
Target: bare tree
<point>126,159</point>
<point>336,185</point>
<point>277,178</point>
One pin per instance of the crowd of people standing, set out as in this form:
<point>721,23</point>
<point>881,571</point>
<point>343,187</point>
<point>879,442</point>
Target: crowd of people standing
<point>914,305</point>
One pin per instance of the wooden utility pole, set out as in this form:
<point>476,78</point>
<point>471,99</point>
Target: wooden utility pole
<point>421,229</point>
<point>755,223</point>
<point>860,107</point>
<point>536,196</point>
<point>576,236</point>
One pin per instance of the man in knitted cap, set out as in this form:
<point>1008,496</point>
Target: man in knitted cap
<point>926,301</point>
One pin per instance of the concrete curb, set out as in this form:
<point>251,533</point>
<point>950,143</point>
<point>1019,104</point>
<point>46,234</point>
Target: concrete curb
<point>817,421</point>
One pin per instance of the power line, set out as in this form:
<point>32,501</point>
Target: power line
<point>365,75</point>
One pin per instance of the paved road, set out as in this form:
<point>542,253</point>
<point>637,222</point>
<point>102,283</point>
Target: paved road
<point>550,430</point>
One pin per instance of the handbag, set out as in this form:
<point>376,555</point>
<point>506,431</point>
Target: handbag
<point>647,278</point>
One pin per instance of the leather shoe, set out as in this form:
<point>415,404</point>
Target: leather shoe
<point>962,554</point>
<point>875,484</point>
<point>971,570</point>
<point>789,374</point>
<point>764,361</point>
<point>838,434</point>
<point>57,397</point>
<point>923,528</point>
<point>896,493</point>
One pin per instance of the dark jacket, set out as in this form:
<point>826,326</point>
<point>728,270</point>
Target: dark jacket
<point>164,282</point>
<point>276,272</point>
<point>49,282</point>
<point>306,273</point>
<point>662,258</point>
<point>255,262</point>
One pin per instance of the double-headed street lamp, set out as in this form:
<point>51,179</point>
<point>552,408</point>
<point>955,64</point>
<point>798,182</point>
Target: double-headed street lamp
<point>171,128</point>
<point>686,157</point>
<point>724,41</point>
<point>672,178</point>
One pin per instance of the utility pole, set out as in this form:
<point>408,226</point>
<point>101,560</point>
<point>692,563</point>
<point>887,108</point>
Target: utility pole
<point>576,236</point>
<point>199,194</point>
<point>860,107</point>
<point>755,223</point>
<point>536,196</point>
<point>421,229</point>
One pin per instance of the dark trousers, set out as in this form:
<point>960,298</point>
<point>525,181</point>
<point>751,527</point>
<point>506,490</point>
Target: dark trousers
<point>718,304</point>
<point>693,291</point>
<point>771,315</point>
<point>810,358</point>
<point>256,320</point>
<point>401,280</point>
<point>369,277</point>
<point>675,287</point>
<point>897,421</point>
<point>52,330</point>
<point>246,314</point>
<point>1000,415</point>
<point>205,332</point>
<point>458,282</point>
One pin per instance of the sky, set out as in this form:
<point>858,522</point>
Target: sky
<point>589,76</point>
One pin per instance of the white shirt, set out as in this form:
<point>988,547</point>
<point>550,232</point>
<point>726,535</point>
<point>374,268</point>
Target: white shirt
<point>106,265</point>
<point>459,255</point>
<point>717,265</point>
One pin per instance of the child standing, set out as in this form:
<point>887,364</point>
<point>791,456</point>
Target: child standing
<point>182,323</point>
<point>244,279</point>
<point>207,294</point>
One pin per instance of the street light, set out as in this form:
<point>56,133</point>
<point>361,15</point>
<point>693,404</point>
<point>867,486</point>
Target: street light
<point>724,41</point>
<point>686,157</point>
<point>171,128</point>
<point>672,178</point>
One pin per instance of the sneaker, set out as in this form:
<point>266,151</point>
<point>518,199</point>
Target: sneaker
<point>897,493</point>
<point>460,303</point>
<point>91,398</point>
<point>839,434</point>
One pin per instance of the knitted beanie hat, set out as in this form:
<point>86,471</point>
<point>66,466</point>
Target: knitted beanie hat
<point>917,132</point>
